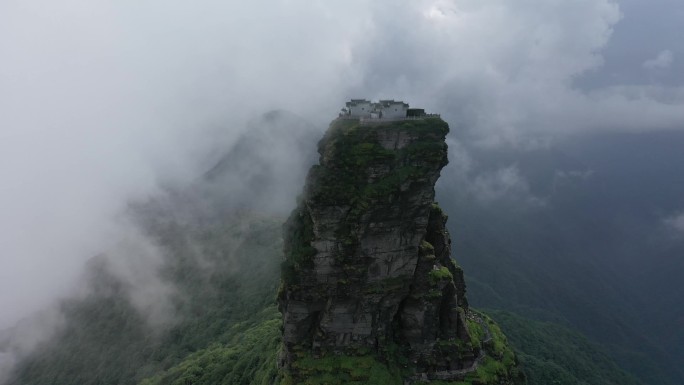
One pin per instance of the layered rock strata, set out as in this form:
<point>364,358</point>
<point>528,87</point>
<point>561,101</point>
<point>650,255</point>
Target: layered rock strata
<point>368,261</point>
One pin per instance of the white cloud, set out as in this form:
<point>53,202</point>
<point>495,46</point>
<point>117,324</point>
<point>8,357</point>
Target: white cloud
<point>136,261</point>
<point>504,71</point>
<point>676,223</point>
<point>503,184</point>
<point>663,60</point>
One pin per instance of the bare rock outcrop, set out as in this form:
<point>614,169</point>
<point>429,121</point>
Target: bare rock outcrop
<point>368,271</point>
<point>368,258</point>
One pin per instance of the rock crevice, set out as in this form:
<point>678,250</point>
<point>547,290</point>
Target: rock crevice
<point>367,254</point>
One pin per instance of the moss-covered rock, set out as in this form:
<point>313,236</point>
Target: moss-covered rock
<point>370,293</point>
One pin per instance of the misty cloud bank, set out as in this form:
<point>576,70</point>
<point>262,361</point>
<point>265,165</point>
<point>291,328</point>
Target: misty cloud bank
<point>103,103</point>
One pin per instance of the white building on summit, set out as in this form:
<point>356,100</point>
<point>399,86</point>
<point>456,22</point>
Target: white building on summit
<point>360,108</point>
<point>383,109</point>
<point>390,109</point>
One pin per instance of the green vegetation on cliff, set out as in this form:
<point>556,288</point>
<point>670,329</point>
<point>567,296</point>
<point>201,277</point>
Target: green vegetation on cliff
<point>249,356</point>
<point>496,367</point>
<point>339,369</point>
<point>351,150</point>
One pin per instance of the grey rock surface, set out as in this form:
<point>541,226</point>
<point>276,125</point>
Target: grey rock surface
<point>368,257</point>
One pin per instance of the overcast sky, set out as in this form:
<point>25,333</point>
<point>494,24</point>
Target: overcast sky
<point>100,101</point>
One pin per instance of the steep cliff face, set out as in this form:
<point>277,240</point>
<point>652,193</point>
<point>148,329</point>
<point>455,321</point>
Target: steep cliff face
<point>368,270</point>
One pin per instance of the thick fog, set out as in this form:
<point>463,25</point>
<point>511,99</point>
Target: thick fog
<point>104,103</point>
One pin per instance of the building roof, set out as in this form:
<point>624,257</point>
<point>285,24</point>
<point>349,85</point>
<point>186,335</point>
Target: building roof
<point>387,103</point>
<point>354,102</point>
<point>379,105</point>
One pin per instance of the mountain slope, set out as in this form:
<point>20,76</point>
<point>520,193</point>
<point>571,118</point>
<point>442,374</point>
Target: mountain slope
<point>554,354</point>
<point>596,255</point>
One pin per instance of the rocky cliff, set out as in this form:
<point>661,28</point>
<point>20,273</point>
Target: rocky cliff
<point>368,279</point>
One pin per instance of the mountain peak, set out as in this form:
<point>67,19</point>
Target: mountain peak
<point>368,277</point>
